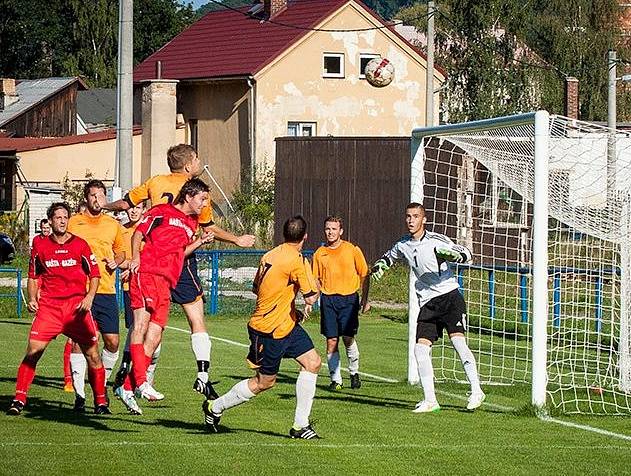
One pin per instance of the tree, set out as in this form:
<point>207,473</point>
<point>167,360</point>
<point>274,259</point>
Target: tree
<point>213,7</point>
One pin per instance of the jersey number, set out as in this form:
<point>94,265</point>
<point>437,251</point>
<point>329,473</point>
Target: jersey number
<point>261,275</point>
<point>168,196</point>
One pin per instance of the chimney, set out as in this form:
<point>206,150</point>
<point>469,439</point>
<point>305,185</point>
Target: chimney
<point>8,95</point>
<point>274,7</point>
<point>571,97</point>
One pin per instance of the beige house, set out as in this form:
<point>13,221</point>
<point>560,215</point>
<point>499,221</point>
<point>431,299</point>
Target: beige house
<point>284,68</point>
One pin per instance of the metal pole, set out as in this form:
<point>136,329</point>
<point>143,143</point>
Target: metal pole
<point>124,122</point>
<point>611,124</point>
<point>429,91</point>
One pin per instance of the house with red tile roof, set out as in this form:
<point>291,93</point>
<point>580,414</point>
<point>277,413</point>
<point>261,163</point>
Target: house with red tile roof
<point>286,67</point>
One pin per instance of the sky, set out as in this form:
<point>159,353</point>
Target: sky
<point>197,3</point>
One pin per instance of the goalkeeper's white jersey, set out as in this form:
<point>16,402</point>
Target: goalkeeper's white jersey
<point>434,276</point>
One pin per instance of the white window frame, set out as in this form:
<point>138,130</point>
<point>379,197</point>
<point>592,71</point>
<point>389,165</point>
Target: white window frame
<point>495,221</point>
<point>326,74</point>
<point>371,56</point>
<point>300,126</point>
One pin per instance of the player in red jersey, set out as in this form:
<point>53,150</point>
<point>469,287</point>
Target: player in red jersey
<point>168,232</point>
<point>64,263</point>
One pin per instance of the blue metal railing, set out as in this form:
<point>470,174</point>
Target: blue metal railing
<point>17,295</point>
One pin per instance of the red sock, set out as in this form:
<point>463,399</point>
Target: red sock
<point>96,377</point>
<point>67,369</point>
<point>129,383</point>
<point>138,363</point>
<point>26,374</point>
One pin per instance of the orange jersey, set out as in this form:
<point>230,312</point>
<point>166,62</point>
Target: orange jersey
<point>163,189</point>
<point>105,237</point>
<point>283,272</point>
<point>127,232</point>
<point>339,270</point>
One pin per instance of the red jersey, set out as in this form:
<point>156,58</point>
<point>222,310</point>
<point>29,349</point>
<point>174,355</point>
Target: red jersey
<point>167,232</point>
<point>63,268</point>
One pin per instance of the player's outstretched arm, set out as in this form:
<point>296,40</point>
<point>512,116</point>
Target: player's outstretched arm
<point>243,241</point>
<point>205,237</point>
<point>117,206</point>
<point>86,303</point>
<point>32,289</point>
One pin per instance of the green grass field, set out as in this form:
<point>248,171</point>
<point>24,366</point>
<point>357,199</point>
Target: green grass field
<point>367,431</point>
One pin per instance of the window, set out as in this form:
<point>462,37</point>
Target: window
<point>192,125</point>
<point>364,59</point>
<point>501,205</point>
<point>301,129</point>
<point>333,65</point>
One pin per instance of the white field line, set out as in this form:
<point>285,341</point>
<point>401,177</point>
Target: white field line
<point>577,426</point>
<point>301,447</point>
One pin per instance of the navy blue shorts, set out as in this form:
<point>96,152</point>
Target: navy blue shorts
<point>105,313</point>
<point>129,314</point>
<point>189,286</point>
<point>266,352</point>
<point>339,315</point>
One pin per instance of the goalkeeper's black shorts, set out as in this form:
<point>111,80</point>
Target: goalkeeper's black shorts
<point>446,312</point>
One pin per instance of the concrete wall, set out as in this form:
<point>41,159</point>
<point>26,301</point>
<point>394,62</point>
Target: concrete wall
<point>293,89</point>
<point>221,111</point>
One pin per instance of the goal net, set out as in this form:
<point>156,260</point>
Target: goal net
<point>544,204</point>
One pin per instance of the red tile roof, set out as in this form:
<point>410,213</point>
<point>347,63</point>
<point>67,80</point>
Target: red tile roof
<point>24,144</point>
<point>227,43</point>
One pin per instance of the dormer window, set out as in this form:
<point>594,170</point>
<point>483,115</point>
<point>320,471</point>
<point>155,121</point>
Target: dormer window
<point>333,65</point>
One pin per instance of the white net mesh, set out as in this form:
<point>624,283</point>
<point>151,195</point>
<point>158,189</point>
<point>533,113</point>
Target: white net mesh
<point>478,188</point>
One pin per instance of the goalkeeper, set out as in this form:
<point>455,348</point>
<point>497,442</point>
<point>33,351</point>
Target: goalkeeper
<point>442,306</point>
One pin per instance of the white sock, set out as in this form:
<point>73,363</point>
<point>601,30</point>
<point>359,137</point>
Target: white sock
<point>237,395</point>
<point>78,364</point>
<point>333,361</point>
<point>109,362</point>
<point>305,391</point>
<point>200,342</point>
<point>468,362</point>
<point>423,354</point>
<point>151,369</point>
<point>352,352</point>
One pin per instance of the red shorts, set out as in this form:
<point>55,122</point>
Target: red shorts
<point>57,316</point>
<point>153,293</point>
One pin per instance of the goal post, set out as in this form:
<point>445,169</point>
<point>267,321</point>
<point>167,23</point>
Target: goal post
<point>543,202</point>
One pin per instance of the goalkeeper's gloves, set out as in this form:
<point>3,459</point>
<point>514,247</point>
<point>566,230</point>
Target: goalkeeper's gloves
<point>378,269</point>
<point>449,254</point>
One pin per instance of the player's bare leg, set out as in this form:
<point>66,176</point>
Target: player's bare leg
<point>333,362</point>
<point>477,396</point>
<point>310,364</point>
<point>423,354</point>
<point>352,352</point>
<point>201,345</point>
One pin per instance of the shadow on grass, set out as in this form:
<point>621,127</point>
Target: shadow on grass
<point>60,412</point>
<point>17,321</point>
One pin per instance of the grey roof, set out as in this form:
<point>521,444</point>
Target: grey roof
<point>32,92</point>
<point>97,106</point>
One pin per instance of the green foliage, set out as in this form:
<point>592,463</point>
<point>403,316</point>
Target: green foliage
<point>13,225</point>
<point>504,58</point>
<point>213,7</point>
<point>72,192</point>
<point>254,203</point>
<point>387,8</point>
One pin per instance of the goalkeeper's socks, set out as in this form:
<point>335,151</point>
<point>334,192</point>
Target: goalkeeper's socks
<point>79,366</point>
<point>305,392</point>
<point>423,354</point>
<point>468,362</point>
<point>352,352</point>
<point>333,361</point>
<point>237,395</point>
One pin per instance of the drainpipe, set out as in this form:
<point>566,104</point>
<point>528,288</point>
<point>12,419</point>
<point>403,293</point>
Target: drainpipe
<point>252,126</point>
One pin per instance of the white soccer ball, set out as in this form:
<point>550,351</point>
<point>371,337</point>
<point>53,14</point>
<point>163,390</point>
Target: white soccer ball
<point>379,72</point>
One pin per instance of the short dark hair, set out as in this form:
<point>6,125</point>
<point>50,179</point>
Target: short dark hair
<point>336,219</point>
<point>415,205</point>
<point>43,221</point>
<point>179,155</point>
<point>57,206</point>
<point>294,229</point>
<point>94,183</point>
<point>191,187</point>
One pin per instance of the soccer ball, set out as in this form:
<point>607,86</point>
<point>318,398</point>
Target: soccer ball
<point>379,72</point>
